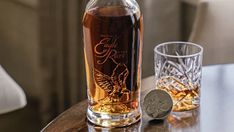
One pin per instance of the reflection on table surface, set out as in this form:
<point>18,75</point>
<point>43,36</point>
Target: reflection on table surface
<point>133,128</point>
<point>188,121</point>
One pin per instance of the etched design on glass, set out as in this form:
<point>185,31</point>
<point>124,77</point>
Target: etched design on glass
<point>181,78</point>
<point>115,84</point>
<point>115,87</point>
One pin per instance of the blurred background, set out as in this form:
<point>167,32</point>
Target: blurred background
<point>41,48</point>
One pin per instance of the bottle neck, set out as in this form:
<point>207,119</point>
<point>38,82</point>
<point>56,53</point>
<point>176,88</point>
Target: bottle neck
<point>132,4</point>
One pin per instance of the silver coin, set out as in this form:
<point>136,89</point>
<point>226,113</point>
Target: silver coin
<point>157,104</point>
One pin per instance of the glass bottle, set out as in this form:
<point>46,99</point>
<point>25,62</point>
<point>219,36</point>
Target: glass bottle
<point>113,31</point>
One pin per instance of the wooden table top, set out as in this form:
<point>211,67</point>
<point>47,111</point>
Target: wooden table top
<point>216,113</point>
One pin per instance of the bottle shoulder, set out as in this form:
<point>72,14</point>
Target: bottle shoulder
<point>128,6</point>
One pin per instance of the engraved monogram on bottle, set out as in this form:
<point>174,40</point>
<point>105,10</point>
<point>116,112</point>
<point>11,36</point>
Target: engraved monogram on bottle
<point>114,85</point>
<point>106,49</point>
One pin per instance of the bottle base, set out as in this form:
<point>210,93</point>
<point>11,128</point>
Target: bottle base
<point>115,120</point>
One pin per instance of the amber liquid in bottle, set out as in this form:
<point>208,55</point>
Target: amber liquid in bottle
<point>113,46</point>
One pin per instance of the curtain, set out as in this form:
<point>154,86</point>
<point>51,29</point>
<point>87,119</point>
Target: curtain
<point>61,49</point>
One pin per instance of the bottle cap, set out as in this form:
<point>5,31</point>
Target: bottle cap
<point>157,104</point>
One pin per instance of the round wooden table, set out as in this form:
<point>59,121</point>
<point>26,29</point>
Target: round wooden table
<point>215,114</point>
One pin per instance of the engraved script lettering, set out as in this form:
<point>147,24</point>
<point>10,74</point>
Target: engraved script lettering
<point>105,49</point>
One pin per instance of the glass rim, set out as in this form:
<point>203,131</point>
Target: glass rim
<point>179,56</point>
